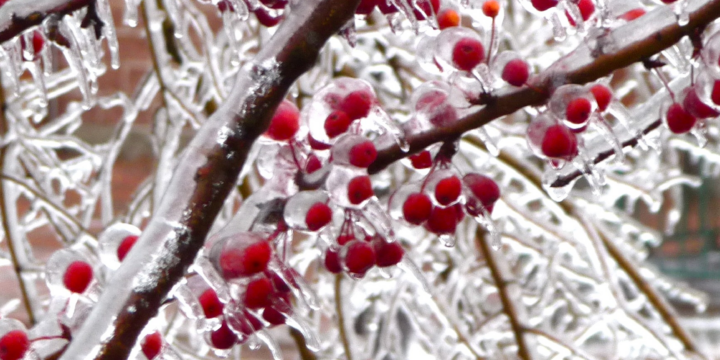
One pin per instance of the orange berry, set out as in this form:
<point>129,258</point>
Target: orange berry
<point>491,8</point>
<point>448,18</point>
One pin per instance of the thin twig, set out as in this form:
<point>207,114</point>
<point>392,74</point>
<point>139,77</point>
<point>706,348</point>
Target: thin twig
<point>341,317</point>
<point>305,353</point>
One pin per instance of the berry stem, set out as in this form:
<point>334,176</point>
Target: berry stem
<point>492,42</point>
<point>665,83</point>
<point>341,316</point>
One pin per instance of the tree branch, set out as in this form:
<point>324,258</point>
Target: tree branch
<point>579,67</point>
<point>205,175</point>
<point>16,16</point>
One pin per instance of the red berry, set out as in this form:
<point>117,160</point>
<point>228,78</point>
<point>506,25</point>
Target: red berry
<point>542,5</point>
<point>678,120</point>
<point>318,216</point>
<point>459,211</point>
<point>366,7</point>
<point>211,304</point>
<point>421,160</point>
<point>715,95</point>
<point>443,220</point>
<point>516,72</point>
<point>273,316</point>
<point>248,323</point>
<point>559,142</point>
<point>363,154</point>
<point>359,258</point>
<point>266,19</point>
<point>357,104</point>
<point>632,14</point>
<point>285,123</point>
<point>468,53</point>
<point>151,345</point>
<point>78,276</point>
<point>224,6</point>
<point>332,261</point>
<point>359,189</point>
<point>258,293</point>
<point>425,5</point>
<point>223,338</point>
<point>313,164</point>
<point>484,190</point>
<point>345,238</point>
<point>13,345</point>
<point>417,208</point>
<point>38,42</point>
<point>578,110</point>
<point>696,107</point>
<point>491,8</point>
<point>602,96</point>
<point>337,123</point>
<point>586,7</point>
<point>237,262</point>
<point>386,8</point>
<point>125,245</point>
<point>275,4</point>
<point>387,253</point>
<point>448,18</point>
<point>448,190</point>
<point>317,145</point>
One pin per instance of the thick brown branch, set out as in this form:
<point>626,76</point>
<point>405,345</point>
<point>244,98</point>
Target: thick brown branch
<point>19,15</point>
<point>205,175</point>
<point>543,86</point>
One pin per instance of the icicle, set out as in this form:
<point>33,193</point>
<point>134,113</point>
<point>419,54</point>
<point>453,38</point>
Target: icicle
<point>680,8</point>
<point>35,68</point>
<point>700,131</point>
<point>488,141</point>
<point>449,240</point>
<point>410,268</point>
<point>485,220</point>
<point>240,10</point>
<point>558,30</point>
<point>131,12</point>
<point>109,32</point>
<point>9,56</point>
<point>74,57</point>
<point>559,193</point>
<point>349,33</point>
<point>271,344</point>
<point>607,133</point>
<point>386,122</point>
<point>677,59</point>
<point>620,112</point>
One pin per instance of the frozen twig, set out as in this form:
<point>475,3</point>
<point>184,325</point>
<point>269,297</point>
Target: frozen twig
<point>205,175</point>
<point>17,16</point>
<point>341,317</point>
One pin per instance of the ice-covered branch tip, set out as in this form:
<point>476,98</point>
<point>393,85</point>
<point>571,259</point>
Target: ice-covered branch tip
<point>579,67</point>
<point>205,175</point>
<point>16,16</point>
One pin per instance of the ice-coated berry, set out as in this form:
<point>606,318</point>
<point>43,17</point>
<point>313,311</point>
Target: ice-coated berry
<point>578,110</point>
<point>343,239</point>
<point>559,142</point>
<point>417,208</point>
<point>151,345</point>
<point>359,189</point>
<point>313,164</point>
<point>387,253</point>
<point>386,8</point>
<point>266,19</point>
<point>448,18</point>
<point>425,5</point>
<point>238,262</point>
<point>696,107</point>
<point>337,123</point>
<point>13,345</point>
<point>366,7</point>
<point>275,4</point>
<point>484,189</point>
<point>491,8</point>
<point>421,160</point>
<point>468,53</point>
<point>516,72</point>
<point>211,304</point>
<point>602,95</point>
<point>586,7</point>
<point>359,258</point>
<point>318,216</point>
<point>542,5</point>
<point>678,120</point>
<point>38,42</point>
<point>362,154</point>
<point>78,276</point>
<point>448,190</point>
<point>332,261</point>
<point>125,245</point>
<point>258,293</point>
<point>443,220</point>
<point>357,104</point>
<point>285,123</point>
<point>223,338</point>
<point>273,316</point>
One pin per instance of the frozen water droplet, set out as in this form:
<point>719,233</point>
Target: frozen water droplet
<point>558,29</point>
<point>448,240</point>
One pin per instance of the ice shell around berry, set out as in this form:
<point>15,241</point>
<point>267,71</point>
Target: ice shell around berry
<point>298,206</point>
<point>111,240</point>
<point>240,255</point>
<point>62,282</point>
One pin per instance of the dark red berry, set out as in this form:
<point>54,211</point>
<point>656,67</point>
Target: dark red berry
<point>386,8</point>
<point>491,8</point>
<point>78,276</point>
<point>125,245</point>
<point>332,261</point>
<point>448,190</point>
<point>318,216</point>
<point>586,7</point>
<point>275,4</point>
<point>338,122</point>
<point>273,316</point>
<point>425,5</point>
<point>211,304</point>
<point>223,338</point>
<point>285,123</point>
<point>13,345</point>
<point>38,42</point>
<point>559,143</point>
<point>317,145</point>
<point>343,239</point>
<point>387,253</point>
<point>715,95</point>
<point>359,258</point>
<point>578,110</point>
<point>366,7</point>
<point>484,189</point>
<point>357,104</point>
<point>362,154</point>
<point>678,120</point>
<point>417,208</point>
<point>313,164</point>
<point>468,53</point>
<point>602,95</point>
<point>443,220</point>
<point>516,72</point>
<point>421,160</point>
<point>448,18</point>
<point>151,345</point>
<point>236,261</point>
<point>542,5</point>
<point>225,5</point>
<point>258,293</point>
<point>266,19</point>
<point>696,107</point>
<point>359,189</point>
<point>248,323</point>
